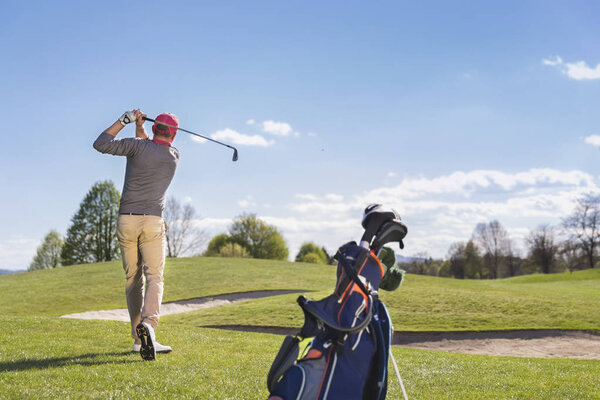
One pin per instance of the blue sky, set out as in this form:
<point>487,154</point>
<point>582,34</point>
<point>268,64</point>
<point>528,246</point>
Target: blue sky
<point>451,113</point>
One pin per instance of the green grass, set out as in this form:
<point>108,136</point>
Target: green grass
<point>56,358</point>
<point>45,357</point>
<point>42,356</point>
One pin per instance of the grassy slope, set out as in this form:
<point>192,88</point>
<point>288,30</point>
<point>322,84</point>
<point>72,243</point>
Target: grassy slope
<point>426,303</point>
<point>101,286</point>
<point>42,356</point>
<point>560,301</point>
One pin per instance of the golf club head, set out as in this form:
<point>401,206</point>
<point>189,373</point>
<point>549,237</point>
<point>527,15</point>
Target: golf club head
<point>235,155</point>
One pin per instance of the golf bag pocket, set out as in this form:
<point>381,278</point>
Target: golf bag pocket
<point>285,358</point>
<point>303,380</point>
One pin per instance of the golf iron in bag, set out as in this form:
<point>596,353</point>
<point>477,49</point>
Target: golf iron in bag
<point>352,330</point>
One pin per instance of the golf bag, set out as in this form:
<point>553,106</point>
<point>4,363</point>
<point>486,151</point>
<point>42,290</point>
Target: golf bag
<point>352,332</point>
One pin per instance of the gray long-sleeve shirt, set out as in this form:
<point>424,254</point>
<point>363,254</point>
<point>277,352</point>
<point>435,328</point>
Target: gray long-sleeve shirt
<point>150,169</point>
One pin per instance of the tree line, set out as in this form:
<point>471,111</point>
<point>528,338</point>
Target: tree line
<point>91,236</point>
<point>490,252</point>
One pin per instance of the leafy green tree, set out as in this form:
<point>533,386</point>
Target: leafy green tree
<point>318,255</point>
<point>48,253</point>
<point>215,245</point>
<point>473,263</point>
<point>233,250</point>
<point>456,258</point>
<point>444,271</point>
<point>312,258</point>
<point>260,239</point>
<point>92,234</point>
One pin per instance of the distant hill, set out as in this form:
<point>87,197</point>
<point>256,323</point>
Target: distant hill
<point>11,271</point>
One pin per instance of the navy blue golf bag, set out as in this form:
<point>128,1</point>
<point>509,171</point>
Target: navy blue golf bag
<point>352,331</point>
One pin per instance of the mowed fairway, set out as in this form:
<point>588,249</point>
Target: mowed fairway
<point>43,356</point>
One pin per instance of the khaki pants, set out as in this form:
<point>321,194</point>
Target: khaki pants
<point>142,240</point>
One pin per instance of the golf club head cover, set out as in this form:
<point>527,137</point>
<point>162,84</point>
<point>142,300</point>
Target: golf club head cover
<point>127,118</point>
<point>392,279</point>
<point>391,231</point>
<point>373,218</point>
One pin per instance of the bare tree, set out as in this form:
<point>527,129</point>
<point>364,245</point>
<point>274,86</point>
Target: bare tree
<point>571,255</point>
<point>542,247</point>
<point>512,260</point>
<point>183,237</point>
<point>584,226</point>
<point>494,240</point>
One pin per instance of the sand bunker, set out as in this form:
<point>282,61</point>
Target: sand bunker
<point>176,307</point>
<point>535,343</point>
<point>532,343</point>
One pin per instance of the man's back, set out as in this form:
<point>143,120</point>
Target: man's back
<point>150,169</point>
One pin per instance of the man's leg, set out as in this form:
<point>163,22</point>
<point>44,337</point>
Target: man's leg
<point>128,230</point>
<point>152,249</point>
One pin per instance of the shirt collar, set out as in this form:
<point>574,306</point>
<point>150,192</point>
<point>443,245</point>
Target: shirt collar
<point>155,140</point>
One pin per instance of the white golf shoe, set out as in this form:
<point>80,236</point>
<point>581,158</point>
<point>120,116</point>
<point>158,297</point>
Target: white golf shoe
<point>149,346</point>
<point>160,348</point>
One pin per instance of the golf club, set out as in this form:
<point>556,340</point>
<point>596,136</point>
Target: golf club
<point>235,152</point>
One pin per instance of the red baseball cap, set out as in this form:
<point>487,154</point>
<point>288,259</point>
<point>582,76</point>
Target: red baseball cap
<point>167,118</point>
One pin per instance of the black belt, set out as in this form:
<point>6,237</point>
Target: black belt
<point>132,214</point>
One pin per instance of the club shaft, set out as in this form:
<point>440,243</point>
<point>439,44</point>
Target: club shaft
<point>190,132</point>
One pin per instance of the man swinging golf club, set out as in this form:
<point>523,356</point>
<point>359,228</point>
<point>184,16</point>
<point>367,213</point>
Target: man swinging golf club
<point>141,229</point>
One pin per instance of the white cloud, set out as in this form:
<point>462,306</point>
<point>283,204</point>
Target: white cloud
<point>578,70</point>
<point>277,128</point>
<point>306,196</point>
<point>465,184</point>
<point>187,199</point>
<point>392,174</point>
<point>198,139</point>
<point>556,61</point>
<point>248,201</point>
<point>334,197</point>
<point>438,210</point>
<point>231,136</point>
<point>250,122</point>
<point>594,140</point>
<point>443,209</point>
<point>311,134</point>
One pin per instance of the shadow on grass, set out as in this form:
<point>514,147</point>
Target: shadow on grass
<point>83,360</point>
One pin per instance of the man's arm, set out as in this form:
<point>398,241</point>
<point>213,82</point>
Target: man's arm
<point>107,143</point>
<point>114,128</point>
<point>140,131</point>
